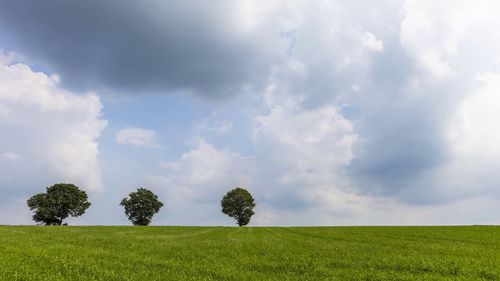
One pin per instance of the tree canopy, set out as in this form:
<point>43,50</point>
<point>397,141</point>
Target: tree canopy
<point>141,206</point>
<point>238,204</point>
<point>59,202</point>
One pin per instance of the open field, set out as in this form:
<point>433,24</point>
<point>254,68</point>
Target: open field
<point>221,253</point>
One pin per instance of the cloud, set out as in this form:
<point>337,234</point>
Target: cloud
<point>49,134</point>
<point>216,126</point>
<point>299,160</point>
<point>433,33</point>
<point>472,141</point>
<point>407,150</point>
<point>195,183</point>
<point>137,137</point>
<point>10,156</point>
<point>393,146</point>
<point>338,114</point>
<point>402,147</point>
<point>371,42</point>
<point>147,46</point>
<point>294,167</point>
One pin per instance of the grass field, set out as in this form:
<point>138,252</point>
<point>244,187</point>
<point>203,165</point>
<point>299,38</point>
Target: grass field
<point>219,253</point>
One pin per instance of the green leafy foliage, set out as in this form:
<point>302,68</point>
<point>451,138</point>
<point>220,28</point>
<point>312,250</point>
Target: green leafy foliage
<point>59,202</point>
<point>238,204</point>
<point>141,206</point>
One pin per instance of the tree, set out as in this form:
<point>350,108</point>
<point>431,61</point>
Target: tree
<point>59,202</point>
<point>238,204</point>
<point>141,206</point>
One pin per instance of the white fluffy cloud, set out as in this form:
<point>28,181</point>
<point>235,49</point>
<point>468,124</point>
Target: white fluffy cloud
<point>436,33</point>
<point>472,169</point>
<point>371,42</point>
<point>302,150</point>
<point>195,183</point>
<point>48,134</point>
<point>296,166</point>
<point>137,137</point>
<point>301,155</point>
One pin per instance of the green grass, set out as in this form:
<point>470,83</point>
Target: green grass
<point>221,253</point>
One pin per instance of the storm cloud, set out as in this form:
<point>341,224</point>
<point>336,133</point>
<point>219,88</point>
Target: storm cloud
<point>140,47</point>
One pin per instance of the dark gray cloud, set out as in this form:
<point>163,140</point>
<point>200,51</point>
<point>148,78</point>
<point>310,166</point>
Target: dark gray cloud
<point>403,128</point>
<point>136,46</point>
<point>401,144</point>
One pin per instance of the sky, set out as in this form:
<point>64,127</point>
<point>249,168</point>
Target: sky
<point>328,112</point>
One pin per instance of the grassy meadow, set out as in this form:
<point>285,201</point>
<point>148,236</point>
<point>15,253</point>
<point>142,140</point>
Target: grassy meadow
<point>250,253</point>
